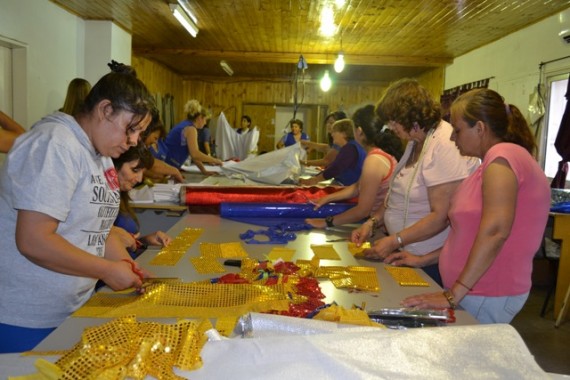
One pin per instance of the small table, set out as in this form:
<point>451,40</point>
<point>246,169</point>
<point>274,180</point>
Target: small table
<point>561,230</point>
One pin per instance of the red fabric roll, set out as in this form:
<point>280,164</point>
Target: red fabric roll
<point>214,195</point>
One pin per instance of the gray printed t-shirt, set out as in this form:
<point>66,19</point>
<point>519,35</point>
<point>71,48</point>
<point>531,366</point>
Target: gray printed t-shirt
<point>53,169</point>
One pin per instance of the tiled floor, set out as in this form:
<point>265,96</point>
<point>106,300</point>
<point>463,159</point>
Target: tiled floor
<point>549,345</point>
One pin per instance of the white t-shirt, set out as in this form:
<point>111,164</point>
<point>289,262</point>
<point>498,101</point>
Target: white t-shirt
<point>439,163</point>
<point>53,169</point>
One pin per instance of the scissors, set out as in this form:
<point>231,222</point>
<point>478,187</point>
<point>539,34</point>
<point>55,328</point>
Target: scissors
<point>135,270</point>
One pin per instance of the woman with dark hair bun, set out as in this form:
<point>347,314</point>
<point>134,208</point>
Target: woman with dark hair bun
<point>59,197</point>
<point>378,165</point>
<point>497,214</point>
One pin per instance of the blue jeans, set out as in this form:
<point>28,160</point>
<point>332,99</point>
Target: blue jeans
<point>493,309</point>
<point>19,339</point>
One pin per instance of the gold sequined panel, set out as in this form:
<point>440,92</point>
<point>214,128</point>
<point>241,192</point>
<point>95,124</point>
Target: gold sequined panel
<point>223,250</point>
<point>325,252</point>
<point>171,254</point>
<point>125,348</point>
<point>205,265</point>
<point>171,300</point>
<point>353,277</point>
<point>285,254</point>
<point>406,276</point>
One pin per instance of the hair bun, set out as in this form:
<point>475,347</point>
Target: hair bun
<point>121,68</point>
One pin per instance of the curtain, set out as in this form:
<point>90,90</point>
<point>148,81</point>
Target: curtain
<point>562,145</point>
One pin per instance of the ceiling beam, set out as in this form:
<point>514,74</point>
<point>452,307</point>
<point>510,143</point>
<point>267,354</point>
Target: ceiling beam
<point>314,58</point>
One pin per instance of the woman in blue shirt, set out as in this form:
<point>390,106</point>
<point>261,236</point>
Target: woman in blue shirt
<point>182,141</point>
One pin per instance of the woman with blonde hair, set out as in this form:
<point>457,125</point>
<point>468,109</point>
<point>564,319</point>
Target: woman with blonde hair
<point>77,91</point>
<point>182,141</point>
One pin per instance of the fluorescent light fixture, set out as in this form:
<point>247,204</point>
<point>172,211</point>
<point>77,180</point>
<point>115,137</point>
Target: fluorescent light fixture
<point>227,68</point>
<point>339,63</point>
<point>183,18</point>
<point>184,4</point>
<point>326,82</point>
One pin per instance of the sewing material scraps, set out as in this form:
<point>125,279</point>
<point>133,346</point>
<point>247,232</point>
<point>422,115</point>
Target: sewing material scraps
<point>356,250</point>
<point>406,276</point>
<point>171,254</point>
<point>124,348</point>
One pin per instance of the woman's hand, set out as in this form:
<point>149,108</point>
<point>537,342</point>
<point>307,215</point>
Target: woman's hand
<point>427,301</point>
<point>319,203</point>
<point>158,238</point>
<point>121,276</point>
<point>127,239</point>
<point>359,235</point>
<point>404,258</point>
<point>316,222</point>
<point>382,248</point>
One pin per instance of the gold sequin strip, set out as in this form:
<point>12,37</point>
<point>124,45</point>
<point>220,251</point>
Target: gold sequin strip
<point>406,276</point>
<point>222,250</point>
<point>171,254</point>
<point>325,252</point>
<point>205,265</point>
<point>200,300</point>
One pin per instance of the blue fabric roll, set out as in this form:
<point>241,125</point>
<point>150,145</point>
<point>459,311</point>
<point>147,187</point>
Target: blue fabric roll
<point>281,210</point>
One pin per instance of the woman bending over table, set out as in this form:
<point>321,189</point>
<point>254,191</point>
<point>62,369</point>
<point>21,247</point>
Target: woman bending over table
<point>383,148</point>
<point>59,197</point>
<point>347,166</point>
<point>497,215</point>
<point>130,168</point>
<point>182,141</point>
<point>414,213</point>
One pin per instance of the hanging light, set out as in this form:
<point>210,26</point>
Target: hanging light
<point>339,63</point>
<point>326,82</point>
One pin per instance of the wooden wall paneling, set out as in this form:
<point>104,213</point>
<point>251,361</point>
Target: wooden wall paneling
<point>161,80</point>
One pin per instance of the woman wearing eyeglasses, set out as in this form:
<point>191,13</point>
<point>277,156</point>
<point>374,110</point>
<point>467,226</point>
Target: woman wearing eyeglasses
<point>59,197</point>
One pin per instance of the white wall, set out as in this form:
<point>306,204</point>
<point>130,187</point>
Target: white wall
<point>514,60</point>
<point>59,48</point>
<point>55,52</point>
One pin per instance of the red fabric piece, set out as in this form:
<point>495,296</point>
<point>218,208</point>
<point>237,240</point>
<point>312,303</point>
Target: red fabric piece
<point>214,195</point>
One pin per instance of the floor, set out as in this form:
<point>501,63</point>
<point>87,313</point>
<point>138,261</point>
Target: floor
<point>549,345</point>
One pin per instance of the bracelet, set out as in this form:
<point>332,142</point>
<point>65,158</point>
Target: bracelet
<point>374,223</point>
<point>449,296</point>
<point>462,284</point>
<point>399,240</point>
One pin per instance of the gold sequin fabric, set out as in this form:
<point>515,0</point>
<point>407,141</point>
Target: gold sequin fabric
<point>352,277</point>
<point>125,348</point>
<point>171,254</point>
<point>179,300</point>
<point>406,276</point>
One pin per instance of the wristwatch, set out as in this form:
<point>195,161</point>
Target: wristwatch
<point>329,219</point>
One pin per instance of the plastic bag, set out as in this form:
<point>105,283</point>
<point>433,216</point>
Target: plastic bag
<point>274,168</point>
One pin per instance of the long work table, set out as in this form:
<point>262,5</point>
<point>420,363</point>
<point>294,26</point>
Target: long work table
<point>359,352</point>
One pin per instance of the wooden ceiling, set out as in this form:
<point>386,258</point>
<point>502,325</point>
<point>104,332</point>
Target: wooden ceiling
<point>382,40</point>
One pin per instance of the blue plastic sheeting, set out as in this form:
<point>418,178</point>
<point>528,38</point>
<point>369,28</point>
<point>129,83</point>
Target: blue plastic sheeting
<point>562,207</point>
<point>280,210</point>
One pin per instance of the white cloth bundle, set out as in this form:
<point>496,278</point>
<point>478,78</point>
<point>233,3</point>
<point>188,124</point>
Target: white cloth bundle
<point>230,144</point>
<point>276,167</point>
